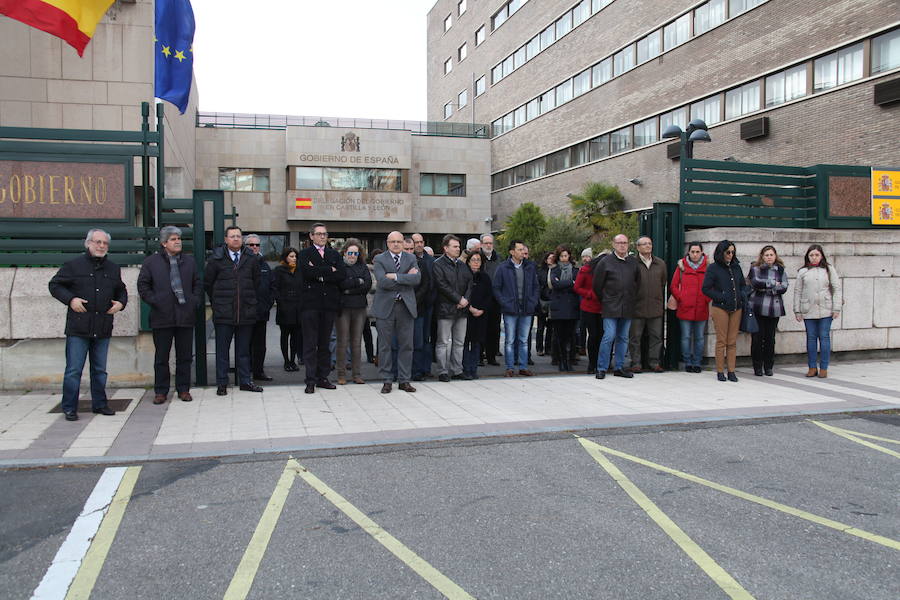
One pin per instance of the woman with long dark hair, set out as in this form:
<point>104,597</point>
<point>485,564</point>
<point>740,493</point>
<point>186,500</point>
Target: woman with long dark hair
<point>544,341</point>
<point>769,283</point>
<point>289,302</point>
<point>476,327</point>
<point>564,302</point>
<point>693,305</point>
<point>818,298</point>
<point>724,283</point>
<point>352,318</point>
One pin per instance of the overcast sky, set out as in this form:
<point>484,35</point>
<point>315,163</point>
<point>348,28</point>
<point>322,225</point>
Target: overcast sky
<point>336,58</point>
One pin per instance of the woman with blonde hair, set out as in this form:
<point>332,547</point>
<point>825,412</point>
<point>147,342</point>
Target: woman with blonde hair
<point>768,282</point>
<point>818,297</point>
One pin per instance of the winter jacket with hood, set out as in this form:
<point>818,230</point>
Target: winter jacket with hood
<point>725,283</point>
<point>232,288</point>
<point>815,295</point>
<point>687,284</point>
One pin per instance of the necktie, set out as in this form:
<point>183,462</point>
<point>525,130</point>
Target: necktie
<point>321,251</point>
<point>236,256</point>
<point>397,266</point>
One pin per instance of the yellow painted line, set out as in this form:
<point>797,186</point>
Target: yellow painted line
<point>871,537</point>
<point>719,575</point>
<point>246,570</point>
<point>853,438</point>
<point>87,574</point>
<point>418,564</point>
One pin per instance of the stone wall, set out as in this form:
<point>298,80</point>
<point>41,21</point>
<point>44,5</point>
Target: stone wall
<point>868,262</point>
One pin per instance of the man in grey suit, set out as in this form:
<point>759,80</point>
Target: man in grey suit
<point>394,309</point>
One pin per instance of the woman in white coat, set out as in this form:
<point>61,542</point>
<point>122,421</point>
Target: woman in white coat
<point>818,297</point>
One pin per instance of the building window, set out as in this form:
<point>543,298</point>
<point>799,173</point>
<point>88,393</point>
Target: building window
<point>710,110</point>
<point>648,47</point>
<point>596,5</point>
<point>564,92</point>
<point>582,82</point>
<point>564,25</point>
<point>623,60</point>
<point>886,52</point>
<point>532,109</point>
<point>677,32</point>
<point>581,13</point>
<point>579,154</point>
<point>243,179</point>
<point>736,7</point>
<point>479,86</point>
<point>598,147</point>
<point>548,36</point>
<point>461,7</point>
<point>559,160</point>
<point>508,121</point>
<point>742,100</point>
<point>479,36</point>
<point>462,52</point>
<point>462,98</point>
<point>448,23</point>
<point>442,184</point>
<point>348,178</point>
<point>620,141</point>
<point>536,168</point>
<point>675,117</point>
<point>519,116</point>
<point>448,110</point>
<point>708,16</point>
<point>497,127</point>
<point>533,47</point>
<point>497,73</point>
<point>602,71</point>
<point>448,65</point>
<point>645,132</point>
<point>518,58</point>
<point>507,65</point>
<point>548,101</point>
<point>500,17</point>
<point>785,86</point>
<point>838,68</point>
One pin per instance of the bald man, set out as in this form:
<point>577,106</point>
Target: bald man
<point>394,309</point>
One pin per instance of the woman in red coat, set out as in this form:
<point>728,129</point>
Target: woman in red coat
<point>590,306</point>
<point>693,305</point>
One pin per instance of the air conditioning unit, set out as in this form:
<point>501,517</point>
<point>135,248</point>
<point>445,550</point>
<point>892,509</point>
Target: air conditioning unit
<point>887,92</point>
<point>755,128</point>
<point>673,151</point>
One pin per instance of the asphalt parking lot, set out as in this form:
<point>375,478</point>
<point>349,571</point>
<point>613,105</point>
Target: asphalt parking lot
<point>775,509</point>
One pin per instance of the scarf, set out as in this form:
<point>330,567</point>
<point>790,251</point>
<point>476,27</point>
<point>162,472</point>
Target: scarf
<point>565,271</point>
<point>175,279</point>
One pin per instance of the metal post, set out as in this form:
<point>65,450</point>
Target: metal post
<point>160,164</point>
<point>145,172</point>
<point>199,226</point>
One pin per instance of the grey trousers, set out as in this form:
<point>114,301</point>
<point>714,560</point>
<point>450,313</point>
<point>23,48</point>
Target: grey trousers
<point>448,348</point>
<point>654,328</point>
<point>399,324</point>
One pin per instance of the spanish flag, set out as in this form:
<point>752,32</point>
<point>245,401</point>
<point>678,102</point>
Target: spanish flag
<point>72,20</point>
<point>303,203</point>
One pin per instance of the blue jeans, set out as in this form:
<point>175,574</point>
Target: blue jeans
<point>818,337</point>
<point>614,330</point>
<point>77,350</point>
<point>515,333</point>
<point>421,344</point>
<point>693,342</point>
<point>471,354</point>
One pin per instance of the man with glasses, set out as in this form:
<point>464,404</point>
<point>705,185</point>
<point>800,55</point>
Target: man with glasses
<point>265,298</point>
<point>92,288</point>
<point>323,269</point>
<point>616,281</point>
<point>231,280</point>
<point>650,306</point>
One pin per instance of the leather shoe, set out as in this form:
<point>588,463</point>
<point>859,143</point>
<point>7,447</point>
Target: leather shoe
<point>406,387</point>
<point>525,373</point>
<point>250,387</point>
<point>658,369</point>
<point>103,411</point>
<point>823,373</point>
<point>159,398</point>
<point>262,377</point>
<point>634,370</point>
<point>310,388</point>
<point>222,390</point>
<point>386,388</point>
<point>71,416</point>
<point>509,373</point>
<point>623,373</point>
<point>418,378</point>
<point>768,372</point>
<point>324,383</point>
<point>359,380</point>
<point>443,377</point>
<point>458,376</point>
<point>732,376</point>
<point>600,375</point>
<point>185,397</point>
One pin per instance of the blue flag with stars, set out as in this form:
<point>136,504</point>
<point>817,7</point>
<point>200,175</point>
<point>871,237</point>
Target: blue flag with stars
<point>174,51</point>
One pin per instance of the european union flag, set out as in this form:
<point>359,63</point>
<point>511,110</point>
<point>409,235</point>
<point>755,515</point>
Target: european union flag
<point>174,51</point>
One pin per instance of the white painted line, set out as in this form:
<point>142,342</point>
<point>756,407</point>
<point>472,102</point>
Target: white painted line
<point>59,576</point>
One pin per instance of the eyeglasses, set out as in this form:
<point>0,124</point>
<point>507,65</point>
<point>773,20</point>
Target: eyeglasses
<point>320,233</point>
<point>257,245</point>
<point>352,253</point>
<point>729,252</point>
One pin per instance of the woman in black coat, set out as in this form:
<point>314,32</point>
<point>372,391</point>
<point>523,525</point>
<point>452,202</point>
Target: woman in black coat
<point>544,341</point>
<point>564,306</point>
<point>352,320</point>
<point>289,301</point>
<point>724,282</point>
<point>476,327</point>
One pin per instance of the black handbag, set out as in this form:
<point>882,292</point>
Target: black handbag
<point>749,324</point>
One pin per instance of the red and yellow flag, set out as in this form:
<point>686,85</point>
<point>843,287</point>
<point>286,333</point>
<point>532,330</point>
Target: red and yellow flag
<point>74,21</point>
<point>303,203</point>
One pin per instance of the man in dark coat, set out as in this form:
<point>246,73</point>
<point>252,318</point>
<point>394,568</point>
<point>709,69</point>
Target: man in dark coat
<point>169,283</point>
<point>516,292</point>
<point>265,299</point>
<point>231,280</point>
<point>453,280</point>
<point>616,280</point>
<point>323,270</point>
<point>91,286</point>
<point>649,309</point>
<point>426,294</point>
<point>492,262</point>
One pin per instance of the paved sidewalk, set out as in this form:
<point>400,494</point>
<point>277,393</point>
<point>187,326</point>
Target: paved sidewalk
<point>284,418</point>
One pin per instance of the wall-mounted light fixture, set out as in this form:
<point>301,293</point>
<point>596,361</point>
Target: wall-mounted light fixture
<point>636,181</point>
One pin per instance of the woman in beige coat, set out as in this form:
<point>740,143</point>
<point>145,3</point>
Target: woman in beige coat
<point>818,297</point>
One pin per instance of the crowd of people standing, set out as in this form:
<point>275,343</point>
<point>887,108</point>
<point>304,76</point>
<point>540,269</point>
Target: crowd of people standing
<point>443,310</point>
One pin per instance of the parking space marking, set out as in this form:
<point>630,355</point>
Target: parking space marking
<point>709,566</point>
<point>808,516</point>
<point>246,571</point>
<point>855,436</point>
<point>435,578</point>
<point>110,495</point>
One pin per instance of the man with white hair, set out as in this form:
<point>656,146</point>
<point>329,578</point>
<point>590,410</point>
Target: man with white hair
<point>473,245</point>
<point>92,288</point>
<point>491,261</point>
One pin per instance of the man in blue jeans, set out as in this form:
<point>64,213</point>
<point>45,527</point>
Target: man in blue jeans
<point>91,286</point>
<point>516,291</point>
<point>616,281</point>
